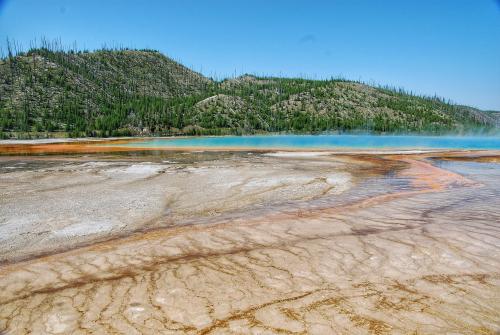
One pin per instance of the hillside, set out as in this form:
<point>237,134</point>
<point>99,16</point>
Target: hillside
<point>142,92</point>
<point>496,116</point>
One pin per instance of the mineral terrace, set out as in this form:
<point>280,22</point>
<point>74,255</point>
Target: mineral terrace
<point>155,242</point>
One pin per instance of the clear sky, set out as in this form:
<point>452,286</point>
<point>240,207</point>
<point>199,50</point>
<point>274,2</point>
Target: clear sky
<point>446,47</point>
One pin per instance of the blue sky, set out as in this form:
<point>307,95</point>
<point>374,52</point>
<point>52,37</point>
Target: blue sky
<point>448,47</point>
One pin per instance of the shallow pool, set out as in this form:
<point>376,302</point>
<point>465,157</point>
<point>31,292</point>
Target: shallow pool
<point>322,142</point>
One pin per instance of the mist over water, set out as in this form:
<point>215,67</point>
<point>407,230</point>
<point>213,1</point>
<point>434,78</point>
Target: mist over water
<point>326,142</point>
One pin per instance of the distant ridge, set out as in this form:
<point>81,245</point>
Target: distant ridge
<point>46,92</point>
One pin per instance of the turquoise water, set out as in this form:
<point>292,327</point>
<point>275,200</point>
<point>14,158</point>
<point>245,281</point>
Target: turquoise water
<point>324,142</point>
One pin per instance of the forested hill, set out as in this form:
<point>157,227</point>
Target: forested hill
<point>142,92</point>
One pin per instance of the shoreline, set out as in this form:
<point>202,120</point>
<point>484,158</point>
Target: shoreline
<point>103,145</point>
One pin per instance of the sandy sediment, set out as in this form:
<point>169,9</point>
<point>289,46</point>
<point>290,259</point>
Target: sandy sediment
<point>53,207</point>
<point>315,244</point>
